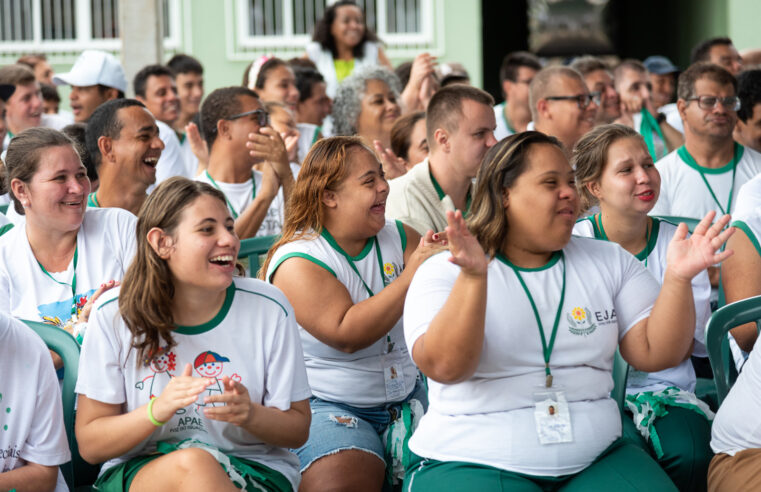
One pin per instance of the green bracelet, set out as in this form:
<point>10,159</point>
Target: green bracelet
<point>150,414</point>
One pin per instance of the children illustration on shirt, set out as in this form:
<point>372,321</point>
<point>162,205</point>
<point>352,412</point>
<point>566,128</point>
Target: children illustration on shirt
<point>163,363</point>
<point>210,365</point>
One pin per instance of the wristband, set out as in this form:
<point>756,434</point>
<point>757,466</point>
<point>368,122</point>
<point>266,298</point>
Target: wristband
<point>150,414</point>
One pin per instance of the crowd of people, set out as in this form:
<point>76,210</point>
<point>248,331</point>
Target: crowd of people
<point>448,283</point>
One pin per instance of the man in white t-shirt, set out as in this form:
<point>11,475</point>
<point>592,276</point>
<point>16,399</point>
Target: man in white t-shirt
<point>188,74</point>
<point>639,111</point>
<point>155,87</point>
<point>599,80</point>
<point>124,144</point>
<point>460,129</point>
<point>32,435</point>
<point>237,132</point>
<point>562,105</point>
<point>516,73</point>
<point>662,75</point>
<point>95,77</point>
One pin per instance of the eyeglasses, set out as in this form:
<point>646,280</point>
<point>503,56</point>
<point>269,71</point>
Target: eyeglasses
<point>730,103</point>
<point>262,117</point>
<point>582,100</point>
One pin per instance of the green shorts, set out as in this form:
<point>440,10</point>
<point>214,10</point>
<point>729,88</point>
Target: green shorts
<point>119,478</point>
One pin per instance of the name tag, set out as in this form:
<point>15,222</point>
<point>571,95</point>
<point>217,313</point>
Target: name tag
<point>552,416</point>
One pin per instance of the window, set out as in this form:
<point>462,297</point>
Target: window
<point>69,26</point>
<point>287,25</point>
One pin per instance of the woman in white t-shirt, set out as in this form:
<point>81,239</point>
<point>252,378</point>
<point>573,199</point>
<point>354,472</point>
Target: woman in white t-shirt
<point>185,368</point>
<point>615,171</point>
<point>519,368</point>
<point>346,268</point>
<point>64,255</point>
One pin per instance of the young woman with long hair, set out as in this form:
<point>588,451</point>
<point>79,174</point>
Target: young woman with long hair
<point>190,377</point>
<point>345,269</point>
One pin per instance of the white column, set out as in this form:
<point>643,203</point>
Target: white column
<point>141,32</point>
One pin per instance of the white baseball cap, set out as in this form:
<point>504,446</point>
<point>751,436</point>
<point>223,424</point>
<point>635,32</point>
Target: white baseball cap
<point>94,67</point>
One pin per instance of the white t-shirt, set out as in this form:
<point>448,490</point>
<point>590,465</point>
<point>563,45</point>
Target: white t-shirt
<point>747,212</point>
<point>489,418</point>
<point>658,143</point>
<point>685,194</point>
<point>105,247</point>
<point>736,425</point>
<point>672,116</point>
<point>189,158</point>
<point>307,137</point>
<point>503,127</point>
<point>252,339</point>
<point>31,416</point>
<point>654,258</point>
<point>356,379</point>
<point>241,195</point>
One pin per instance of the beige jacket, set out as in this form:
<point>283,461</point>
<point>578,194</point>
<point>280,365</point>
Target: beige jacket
<point>413,200</point>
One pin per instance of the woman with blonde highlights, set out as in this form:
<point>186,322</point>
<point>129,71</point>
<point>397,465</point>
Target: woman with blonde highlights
<point>184,368</point>
<point>615,171</point>
<point>345,269</point>
<point>519,367</point>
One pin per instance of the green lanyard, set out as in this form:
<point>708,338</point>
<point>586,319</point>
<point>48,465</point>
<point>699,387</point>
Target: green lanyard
<point>92,200</point>
<point>504,118</point>
<point>646,128</point>
<point>686,157</point>
<point>546,349</point>
<point>441,193</point>
<point>73,283</point>
<point>600,233</point>
<point>230,205</point>
<point>350,260</point>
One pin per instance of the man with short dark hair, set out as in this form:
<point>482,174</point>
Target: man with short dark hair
<point>748,129</point>
<point>188,73</point>
<point>460,129</point>
<point>5,92</point>
<point>23,109</point>
<point>313,107</point>
<point>638,110</point>
<point>95,77</point>
<point>240,140</point>
<point>706,173</point>
<point>562,105</point>
<point>599,80</point>
<point>513,114</point>
<point>123,141</point>
<point>720,51</point>
<point>155,87</point>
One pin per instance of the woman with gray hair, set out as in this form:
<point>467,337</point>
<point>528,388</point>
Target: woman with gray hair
<point>367,105</point>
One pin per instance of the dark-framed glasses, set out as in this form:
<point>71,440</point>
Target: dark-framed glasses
<point>262,117</point>
<point>730,103</point>
<point>582,100</point>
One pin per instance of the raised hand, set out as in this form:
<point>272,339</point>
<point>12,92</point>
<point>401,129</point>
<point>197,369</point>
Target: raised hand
<point>269,147</point>
<point>688,256</point>
<point>237,408</point>
<point>466,251</point>
<point>181,391</point>
<point>84,314</point>
<point>197,144</point>
<point>430,244</point>
<point>393,166</point>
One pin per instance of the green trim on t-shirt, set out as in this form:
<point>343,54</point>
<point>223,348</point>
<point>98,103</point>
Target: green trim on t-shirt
<point>299,255</point>
<point>107,302</point>
<point>436,185</point>
<point>746,229</point>
<point>553,259</point>
<point>216,320</point>
<point>402,234</point>
<point>334,244</point>
<point>5,228</point>
<point>650,246</point>
<point>687,159</point>
<point>92,200</point>
<point>265,296</point>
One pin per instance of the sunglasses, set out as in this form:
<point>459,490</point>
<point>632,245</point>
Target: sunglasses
<point>262,117</point>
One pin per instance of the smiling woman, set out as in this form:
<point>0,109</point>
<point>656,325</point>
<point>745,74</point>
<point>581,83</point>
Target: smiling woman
<point>184,359</point>
<point>60,257</point>
<point>523,362</point>
<point>345,269</point>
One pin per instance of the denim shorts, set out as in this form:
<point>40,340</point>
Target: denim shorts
<point>337,427</point>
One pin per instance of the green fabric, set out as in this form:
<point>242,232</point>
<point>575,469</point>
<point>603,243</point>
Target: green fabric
<point>622,467</point>
<point>311,258</point>
<point>737,223</point>
<point>5,228</point>
<point>343,68</point>
<point>646,128</point>
<point>119,478</point>
<point>216,320</point>
<point>92,200</point>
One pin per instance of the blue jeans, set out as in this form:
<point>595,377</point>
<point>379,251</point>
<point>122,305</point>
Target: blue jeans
<point>337,427</point>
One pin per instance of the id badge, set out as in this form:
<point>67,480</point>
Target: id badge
<point>552,416</point>
<point>393,376</point>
